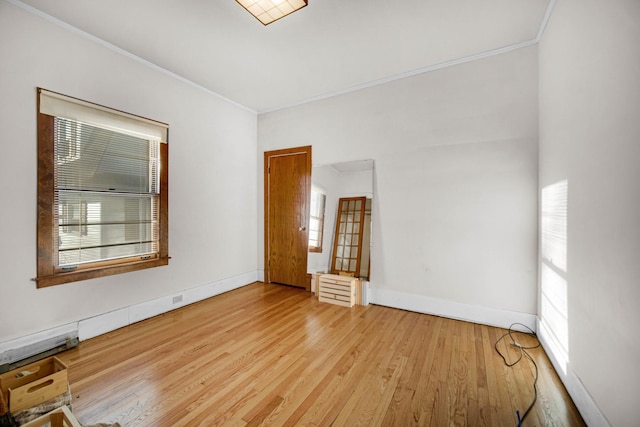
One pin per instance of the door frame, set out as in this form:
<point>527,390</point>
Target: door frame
<point>283,152</point>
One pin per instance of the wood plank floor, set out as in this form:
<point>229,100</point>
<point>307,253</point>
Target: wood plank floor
<point>274,355</point>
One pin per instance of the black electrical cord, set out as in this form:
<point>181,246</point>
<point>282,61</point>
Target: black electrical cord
<point>523,352</point>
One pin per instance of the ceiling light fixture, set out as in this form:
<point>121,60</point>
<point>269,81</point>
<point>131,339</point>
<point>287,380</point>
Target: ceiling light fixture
<point>268,11</point>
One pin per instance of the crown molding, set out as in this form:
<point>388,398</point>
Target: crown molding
<point>418,71</point>
<point>545,19</point>
<point>121,51</point>
<point>427,69</point>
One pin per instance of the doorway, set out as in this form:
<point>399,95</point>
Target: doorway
<point>287,193</point>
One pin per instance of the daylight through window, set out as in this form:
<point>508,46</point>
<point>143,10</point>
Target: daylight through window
<point>102,202</point>
<point>316,220</point>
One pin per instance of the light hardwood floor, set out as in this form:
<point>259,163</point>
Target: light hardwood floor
<point>274,355</point>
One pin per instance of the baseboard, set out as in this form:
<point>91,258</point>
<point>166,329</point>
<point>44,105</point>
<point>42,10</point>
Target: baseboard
<point>30,345</point>
<point>584,402</point>
<point>450,309</point>
<point>103,323</point>
<point>17,349</point>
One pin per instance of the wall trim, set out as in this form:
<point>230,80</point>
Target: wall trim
<point>453,310</point>
<point>427,69</point>
<point>107,322</point>
<point>584,402</point>
<point>545,19</point>
<point>110,321</point>
<point>123,52</point>
<point>407,74</point>
<point>13,350</point>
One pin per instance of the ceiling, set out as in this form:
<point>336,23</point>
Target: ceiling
<point>326,48</point>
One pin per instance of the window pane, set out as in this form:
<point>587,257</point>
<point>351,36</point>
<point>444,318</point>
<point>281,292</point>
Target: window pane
<point>99,195</point>
<point>106,190</point>
<point>84,255</point>
<point>316,220</point>
<point>317,203</point>
<point>98,226</point>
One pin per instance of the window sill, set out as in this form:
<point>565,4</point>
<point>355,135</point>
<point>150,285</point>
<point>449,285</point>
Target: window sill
<point>92,273</point>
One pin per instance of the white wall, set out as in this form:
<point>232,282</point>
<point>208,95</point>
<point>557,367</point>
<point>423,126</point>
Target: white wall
<point>590,136</point>
<point>212,146</point>
<point>454,209</point>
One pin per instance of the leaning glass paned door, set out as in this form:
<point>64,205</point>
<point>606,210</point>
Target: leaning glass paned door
<point>347,244</point>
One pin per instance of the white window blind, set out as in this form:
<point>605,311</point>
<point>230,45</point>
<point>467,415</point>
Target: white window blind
<point>106,181</point>
<point>106,194</point>
<point>58,105</point>
<point>102,191</point>
<point>554,224</point>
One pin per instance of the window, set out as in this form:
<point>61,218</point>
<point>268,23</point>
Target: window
<point>102,191</point>
<point>347,244</point>
<point>316,220</point>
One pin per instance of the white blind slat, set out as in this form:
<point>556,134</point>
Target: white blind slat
<point>106,193</point>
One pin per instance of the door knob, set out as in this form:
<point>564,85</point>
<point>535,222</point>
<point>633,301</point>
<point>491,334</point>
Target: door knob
<point>302,228</point>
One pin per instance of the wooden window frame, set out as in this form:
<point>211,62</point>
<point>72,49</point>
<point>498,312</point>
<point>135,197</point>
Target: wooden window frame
<point>336,239</point>
<point>47,273</point>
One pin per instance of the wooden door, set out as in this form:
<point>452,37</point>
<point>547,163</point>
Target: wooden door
<point>347,243</point>
<point>287,196</point>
